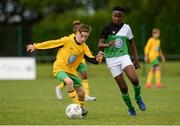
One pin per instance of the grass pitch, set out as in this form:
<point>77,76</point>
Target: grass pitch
<point>34,102</point>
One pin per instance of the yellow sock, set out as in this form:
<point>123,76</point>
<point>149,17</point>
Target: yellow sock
<point>81,102</point>
<point>158,77</point>
<point>61,85</point>
<point>73,96</point>
<point>86,87</point>
<point>150,77</point>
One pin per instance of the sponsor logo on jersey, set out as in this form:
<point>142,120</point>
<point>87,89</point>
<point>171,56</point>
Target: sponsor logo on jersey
<point>118,43</point>
<point>156,48</point>
<point>71,59</point>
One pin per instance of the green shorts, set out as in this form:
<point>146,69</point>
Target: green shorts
<point>61,75</point>
<point>155,62</point>
<point>82,67</point>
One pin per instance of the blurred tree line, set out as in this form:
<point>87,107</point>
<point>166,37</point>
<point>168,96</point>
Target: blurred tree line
<point>52,19</point>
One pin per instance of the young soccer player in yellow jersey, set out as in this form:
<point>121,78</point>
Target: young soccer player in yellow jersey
<point>82,70</point>
<point>152,53</point>
<point>68,59</point>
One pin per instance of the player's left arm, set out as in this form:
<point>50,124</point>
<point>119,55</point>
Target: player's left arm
<point>133,50</point>
<point>103,37</point>
<point>162,56</point>
<point>90,58</point>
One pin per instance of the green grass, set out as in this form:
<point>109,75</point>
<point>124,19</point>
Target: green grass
<point>34,102</point>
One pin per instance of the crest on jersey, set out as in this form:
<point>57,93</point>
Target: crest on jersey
<point>118,43</point>
<point>156,48</point>
<point>71,59</point>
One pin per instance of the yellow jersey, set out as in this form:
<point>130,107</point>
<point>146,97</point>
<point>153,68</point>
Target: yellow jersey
<point>83,60</point>
<point>69,56</point>
<point>152,48</point>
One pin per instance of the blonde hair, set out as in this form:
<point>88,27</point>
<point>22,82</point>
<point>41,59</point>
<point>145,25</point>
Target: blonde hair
<point>76,22</point>
<point>155,30</point>
<point>84,28</point>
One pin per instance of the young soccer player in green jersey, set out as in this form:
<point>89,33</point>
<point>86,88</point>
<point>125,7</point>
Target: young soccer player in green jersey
<point>152,53</point>
<point>82,70</point>
<point>113,40</point>
<point>68,59</point>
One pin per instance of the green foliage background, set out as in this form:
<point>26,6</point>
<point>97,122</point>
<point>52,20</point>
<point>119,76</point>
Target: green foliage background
<point>141,15</point>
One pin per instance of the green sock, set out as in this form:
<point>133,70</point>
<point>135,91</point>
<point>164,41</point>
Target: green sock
<point>127,100</point>
<point>137,90</point>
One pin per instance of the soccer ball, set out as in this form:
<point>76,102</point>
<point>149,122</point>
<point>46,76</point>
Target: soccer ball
<point>74,111</point>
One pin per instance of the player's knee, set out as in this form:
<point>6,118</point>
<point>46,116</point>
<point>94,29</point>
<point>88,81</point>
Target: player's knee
<point>68,81</point>
<point>124,89</point>
<point>135,81</point>
<point>84,75</point>
<point>157,68</point>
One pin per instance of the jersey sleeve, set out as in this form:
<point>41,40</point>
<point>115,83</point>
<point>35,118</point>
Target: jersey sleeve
<point>147,47</point>
<point>87,52</point>
<point>129,33</point>
<point>51,43</point>
<point>105,32</point>
<point>88,55</point>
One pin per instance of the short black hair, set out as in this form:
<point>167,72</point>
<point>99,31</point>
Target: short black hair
<point>118,8</point>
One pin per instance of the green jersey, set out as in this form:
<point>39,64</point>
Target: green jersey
<point>120,34</point>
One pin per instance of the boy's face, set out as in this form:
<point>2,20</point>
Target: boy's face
<point>156,34</point>
<point>81,37</point>
<point>117,17</point>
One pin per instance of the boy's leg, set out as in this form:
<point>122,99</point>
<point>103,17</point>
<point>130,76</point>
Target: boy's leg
<point>81,96</point>
<point>58,90</point>
<point>82,69</point>
<point>80,93</point>
<point>149,78</point>
<point>61,85</point>
<point>131,74</point>
<point>86,87</point>
<point>117,73</point>
<point>62,76</point>
<point>124,90</point>
<point>158,77</point>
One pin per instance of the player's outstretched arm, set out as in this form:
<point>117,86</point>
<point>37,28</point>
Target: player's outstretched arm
<point>95,60</point>
<point>30,48</point>
<point>90,58</point>
<point>134,53</point>
<point>100,56</point>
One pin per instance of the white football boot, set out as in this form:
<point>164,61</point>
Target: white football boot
<point>90,98</point>
<point>59,93</point>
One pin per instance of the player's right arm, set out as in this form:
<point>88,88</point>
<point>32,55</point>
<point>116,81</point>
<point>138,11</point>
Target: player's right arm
<point>30,48</point>
<point>162,56</point>
<point>103,37</point>
<point>146,51</point>
<point>102,44</point>
<point>47,44</point>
